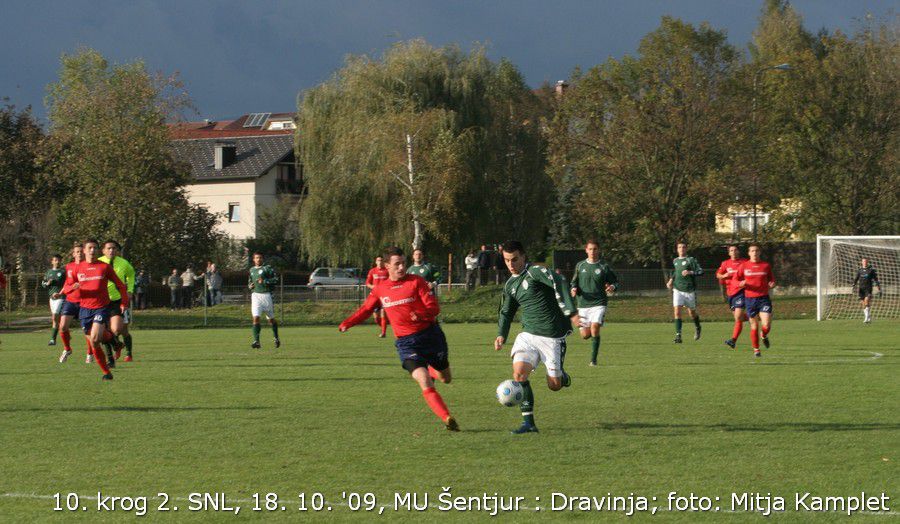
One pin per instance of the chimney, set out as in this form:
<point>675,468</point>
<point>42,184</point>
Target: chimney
<point>561,87</point>
<point>225,154</point>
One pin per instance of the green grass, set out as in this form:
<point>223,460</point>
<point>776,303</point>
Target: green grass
<point>199,411</point>
<point>478,306</point>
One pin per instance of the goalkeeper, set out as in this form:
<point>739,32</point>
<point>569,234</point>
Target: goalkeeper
<point>865,279</point>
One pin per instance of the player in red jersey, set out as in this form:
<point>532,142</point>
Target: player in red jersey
<point>70,306</point>
<point>756,279</point>
<point>734,294</point>
<point>376,275</point>
<point>412,309</point>
<point>91,279</point>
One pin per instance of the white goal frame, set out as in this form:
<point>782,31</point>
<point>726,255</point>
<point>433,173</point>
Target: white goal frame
<point>820,270</point>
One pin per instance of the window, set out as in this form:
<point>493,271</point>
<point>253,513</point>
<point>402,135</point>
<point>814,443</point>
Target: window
<point>234,212</point>
<point>339,273</point>
<point>743,223</point>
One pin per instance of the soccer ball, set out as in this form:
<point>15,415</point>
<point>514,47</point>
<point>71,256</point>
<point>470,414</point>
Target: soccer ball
<point>509,393</point>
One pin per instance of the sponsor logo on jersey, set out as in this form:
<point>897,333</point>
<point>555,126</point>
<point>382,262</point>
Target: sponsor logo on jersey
<point>387,302</point>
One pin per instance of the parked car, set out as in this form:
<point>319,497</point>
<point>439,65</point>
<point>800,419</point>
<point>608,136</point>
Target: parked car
<point>334,276</point>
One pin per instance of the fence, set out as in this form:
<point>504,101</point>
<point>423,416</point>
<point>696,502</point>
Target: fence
<point>25,302</point>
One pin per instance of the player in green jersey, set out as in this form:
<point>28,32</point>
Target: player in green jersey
<point>424,269</point>
<point>262,282</point>
<point>119,319</point>
<point>54,279</point>
<point>592,283</point>
<point>548,316</point>
<point>683,284</point>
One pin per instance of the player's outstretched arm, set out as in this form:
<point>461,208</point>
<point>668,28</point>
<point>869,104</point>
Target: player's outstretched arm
<point>361,314</point>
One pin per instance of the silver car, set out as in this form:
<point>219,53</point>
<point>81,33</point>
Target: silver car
<point>334,276</point>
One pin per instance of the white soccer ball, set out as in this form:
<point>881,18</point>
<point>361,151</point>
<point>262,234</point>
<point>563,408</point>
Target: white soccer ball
<point>510,393</point>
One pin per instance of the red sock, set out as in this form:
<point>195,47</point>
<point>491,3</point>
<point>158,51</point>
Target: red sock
<point>99,356</point>
<point>384,324</point>
<point>765,330</point>
<point>754,338</point>
<point>67,340</point>
<point>433,373</point>
<point>436,403</point>
<point>738,326</point>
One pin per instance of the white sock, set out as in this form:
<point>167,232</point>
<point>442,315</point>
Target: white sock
<point>868,314</point>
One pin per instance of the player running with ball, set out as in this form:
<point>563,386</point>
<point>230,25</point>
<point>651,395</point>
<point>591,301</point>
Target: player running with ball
<point>412,310</point>
<point>548,316</point>
<point>756,279</point>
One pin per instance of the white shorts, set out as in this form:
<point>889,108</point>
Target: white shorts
<point>682,298</point>
<point>591,315</point>
<point>535,349</point>
<point>262,303</point>
<point>56,305</point>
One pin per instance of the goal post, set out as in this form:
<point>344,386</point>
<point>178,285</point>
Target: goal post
<point>837,261</point>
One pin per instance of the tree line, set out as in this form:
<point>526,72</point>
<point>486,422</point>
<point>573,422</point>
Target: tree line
<point>443,149</point>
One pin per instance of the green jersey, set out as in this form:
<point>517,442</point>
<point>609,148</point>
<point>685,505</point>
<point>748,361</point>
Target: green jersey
<point>54,279</point>
<point>268,276</point>
<point>125,271</point>
<point>590,282</point>
<point>688,283</point>
<point>544,300</point>
<point>426,271</point>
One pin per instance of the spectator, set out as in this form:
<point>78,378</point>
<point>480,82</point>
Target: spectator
<point>174,284</point>
<point>213,285</point>
<point>484,264</point>
<point>499,266</point>
<point>208,297</point>
<point>141,288</point>
<point>187,287</point>
<point>471,269</point>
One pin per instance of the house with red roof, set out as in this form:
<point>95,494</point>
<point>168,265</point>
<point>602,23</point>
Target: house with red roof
<point>239,167</point>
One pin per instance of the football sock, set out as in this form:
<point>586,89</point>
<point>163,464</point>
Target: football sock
<point>54,333</point>
<point>256,330</point>
<point>383,324</point>
<point>867,313</point>
<point>697,321</point>
<point>107,337</point>
<point>99,356</point>
<point>433,373</point>
<point>275,328</point>
<point>738,327</point>
<point>595,347</point>
<point>754,338</point>
<point>765,330</point>
<point>436,403</point>
<point>527,405</point>
<point>127,339</point>
<point>678,325</point>
<point>67,340</point>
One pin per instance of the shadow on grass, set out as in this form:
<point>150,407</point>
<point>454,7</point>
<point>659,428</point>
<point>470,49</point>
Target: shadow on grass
<point>800,427</point>
<point>133,409</point>
<point>319,379</point>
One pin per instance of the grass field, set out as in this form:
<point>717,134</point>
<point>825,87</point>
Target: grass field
<point>198,411</point>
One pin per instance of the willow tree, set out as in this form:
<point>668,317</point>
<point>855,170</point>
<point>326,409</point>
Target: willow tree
<point>423,146</point>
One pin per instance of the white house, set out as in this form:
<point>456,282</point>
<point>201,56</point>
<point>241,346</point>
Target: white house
<point>239,167</point>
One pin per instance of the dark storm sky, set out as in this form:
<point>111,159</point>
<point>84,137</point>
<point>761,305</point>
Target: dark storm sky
<point>238,57</point>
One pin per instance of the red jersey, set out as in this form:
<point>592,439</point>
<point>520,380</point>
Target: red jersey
<point>730,267</point>
<point>376,275</point>
<point>756,276</point>
<point>72,296</point>
<point>92,278</point>
<point>400,299</point>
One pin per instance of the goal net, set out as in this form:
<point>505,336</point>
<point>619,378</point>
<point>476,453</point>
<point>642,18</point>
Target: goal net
<point>838,259</point>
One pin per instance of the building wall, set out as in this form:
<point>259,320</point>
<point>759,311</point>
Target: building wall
<point>251,195</point>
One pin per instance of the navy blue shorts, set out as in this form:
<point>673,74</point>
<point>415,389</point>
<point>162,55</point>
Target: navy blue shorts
<point>736,301</point>
<point>756,305</point>
<point>425,348</point>
<point>89,317</point>
<point>69,309</point>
